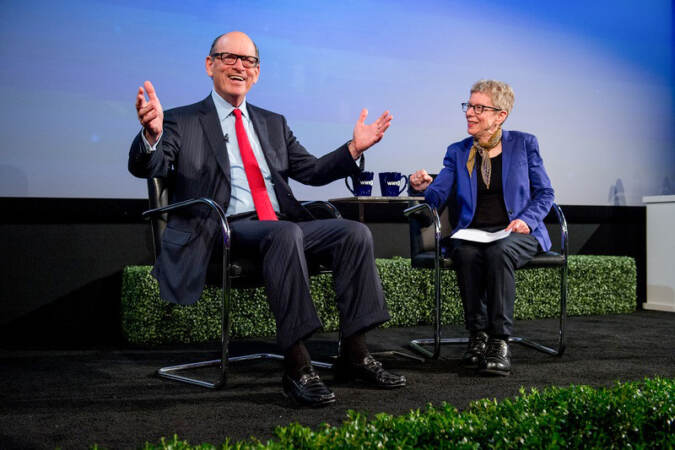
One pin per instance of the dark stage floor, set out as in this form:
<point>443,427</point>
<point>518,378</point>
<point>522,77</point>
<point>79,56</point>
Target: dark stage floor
<point>74,398</point>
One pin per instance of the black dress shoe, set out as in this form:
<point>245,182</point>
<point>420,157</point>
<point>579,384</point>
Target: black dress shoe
<point>369,370</point>
<point>475,351</point>
<point>497,359</point>
<point>309,390</point>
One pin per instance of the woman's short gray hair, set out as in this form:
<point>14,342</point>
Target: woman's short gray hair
<point>500,93</point>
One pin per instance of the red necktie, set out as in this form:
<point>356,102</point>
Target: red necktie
<point>263,205</point>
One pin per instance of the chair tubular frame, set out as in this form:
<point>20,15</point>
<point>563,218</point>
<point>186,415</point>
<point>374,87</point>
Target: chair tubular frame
<point>418,344</point>
<point>171,372</point>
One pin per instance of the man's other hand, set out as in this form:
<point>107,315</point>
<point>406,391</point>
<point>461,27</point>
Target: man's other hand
<point>150,113</point>
<point>367,135</point>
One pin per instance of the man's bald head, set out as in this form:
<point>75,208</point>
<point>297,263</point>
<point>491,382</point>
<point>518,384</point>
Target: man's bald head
<point>233,34</point>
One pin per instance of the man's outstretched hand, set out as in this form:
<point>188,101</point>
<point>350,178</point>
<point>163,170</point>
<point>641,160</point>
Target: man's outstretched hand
<point>367,135</point>
<point>150,113</point>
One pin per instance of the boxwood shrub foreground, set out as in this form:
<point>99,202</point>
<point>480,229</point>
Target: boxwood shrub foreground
<point>597,285</point>
<point>637,414</point>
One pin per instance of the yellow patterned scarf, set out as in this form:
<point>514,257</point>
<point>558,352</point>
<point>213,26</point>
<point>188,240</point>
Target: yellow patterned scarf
<point>486,164</point>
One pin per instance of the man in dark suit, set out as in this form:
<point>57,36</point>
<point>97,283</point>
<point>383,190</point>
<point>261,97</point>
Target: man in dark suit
<point>242,156</point>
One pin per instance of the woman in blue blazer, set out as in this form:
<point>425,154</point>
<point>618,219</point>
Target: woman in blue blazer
<point>491,181</point>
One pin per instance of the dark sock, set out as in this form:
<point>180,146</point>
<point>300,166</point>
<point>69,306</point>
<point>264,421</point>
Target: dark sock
<point>295,359</point>
<point>354,348</point>
<point>503,337</point>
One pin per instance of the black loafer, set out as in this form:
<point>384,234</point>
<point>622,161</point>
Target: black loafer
<point>475,351</point>
<point>497,359</point>
<point>369,370</point>
<point>309,390</point>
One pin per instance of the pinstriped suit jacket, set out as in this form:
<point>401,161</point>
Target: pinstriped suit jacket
<point>193,154</point>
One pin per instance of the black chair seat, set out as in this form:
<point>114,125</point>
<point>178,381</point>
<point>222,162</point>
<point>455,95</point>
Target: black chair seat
<point>245,272</point>
<point>427,260</point>
<point>546,259</point>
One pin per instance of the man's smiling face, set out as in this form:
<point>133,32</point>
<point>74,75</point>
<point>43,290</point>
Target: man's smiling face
<point>232,82</point>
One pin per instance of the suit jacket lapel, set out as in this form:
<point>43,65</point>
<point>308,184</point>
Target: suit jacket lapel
<point>260,127</point>
<point>214,135</point>
<point>288,204</point>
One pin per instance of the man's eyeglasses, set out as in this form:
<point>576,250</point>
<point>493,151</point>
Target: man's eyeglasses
<point>478,109</point>
<point>230,59</point>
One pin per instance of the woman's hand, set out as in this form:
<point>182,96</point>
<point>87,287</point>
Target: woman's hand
<point>518,226</point>
<point>420,180</point>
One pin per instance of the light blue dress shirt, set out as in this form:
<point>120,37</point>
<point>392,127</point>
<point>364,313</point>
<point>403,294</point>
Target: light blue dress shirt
<point>241,200</point>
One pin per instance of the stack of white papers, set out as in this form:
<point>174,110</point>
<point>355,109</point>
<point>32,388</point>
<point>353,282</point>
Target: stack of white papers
<point>471,234</point>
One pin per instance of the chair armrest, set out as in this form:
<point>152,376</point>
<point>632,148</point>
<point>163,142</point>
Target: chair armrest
<point>422,213</point>
<point>196,201</point>
<point>322,209</point>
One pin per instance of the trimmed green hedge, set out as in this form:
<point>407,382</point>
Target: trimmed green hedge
<point>629,415</point>
<point>597,285</point>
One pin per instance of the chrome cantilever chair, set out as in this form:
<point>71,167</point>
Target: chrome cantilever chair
<point>236,272</point>
<point>428,226</point>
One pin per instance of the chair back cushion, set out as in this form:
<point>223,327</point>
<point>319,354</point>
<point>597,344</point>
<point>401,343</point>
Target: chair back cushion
<point>422,238</point>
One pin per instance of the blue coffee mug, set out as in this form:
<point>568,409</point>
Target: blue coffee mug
<point>363,184</point>
<point>390,183</point>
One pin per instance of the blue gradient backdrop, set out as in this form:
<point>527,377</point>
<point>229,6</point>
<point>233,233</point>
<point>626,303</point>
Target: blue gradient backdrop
<point>593,80</point>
